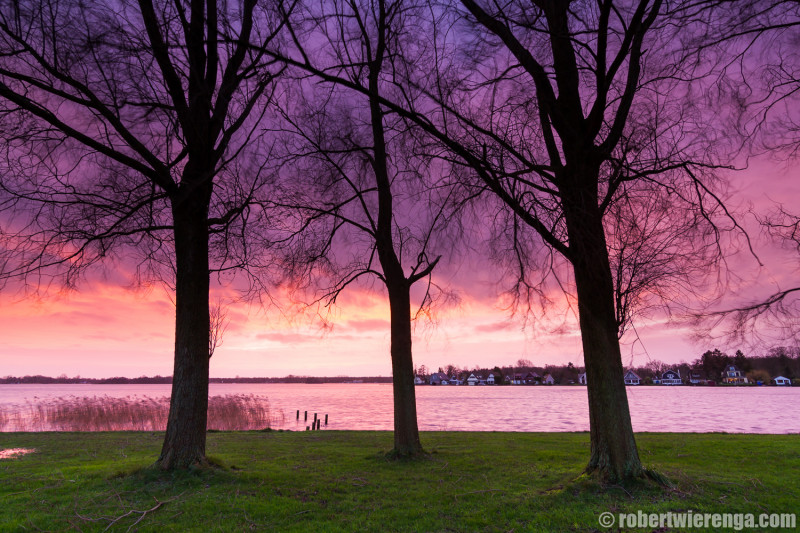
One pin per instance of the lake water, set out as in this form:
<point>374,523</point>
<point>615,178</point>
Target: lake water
<point>520,408</point>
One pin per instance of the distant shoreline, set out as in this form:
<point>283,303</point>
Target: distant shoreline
<point>161,380</point>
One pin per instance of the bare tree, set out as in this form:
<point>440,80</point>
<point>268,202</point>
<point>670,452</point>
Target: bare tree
<point>218,320</point>
<point>368,202</point>
<point>563,111</point>
<point>603,150</point>
<point>125,128</point>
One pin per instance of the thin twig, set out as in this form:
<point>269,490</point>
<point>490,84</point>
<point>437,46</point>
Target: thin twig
<point>479,492</point>
<point>621,488</point>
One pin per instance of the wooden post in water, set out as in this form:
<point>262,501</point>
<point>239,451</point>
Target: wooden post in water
<point>305,415</point>
<point>314,423</point>
<point>298,414</point>
<point>326,419</point>
<point>307,428</point>
<point>318,423</point>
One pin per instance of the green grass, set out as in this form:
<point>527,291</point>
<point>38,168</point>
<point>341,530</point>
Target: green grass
<point>342,481</point>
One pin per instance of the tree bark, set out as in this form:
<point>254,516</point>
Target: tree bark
<point>614,456</point>
<point>406,431</point>
<point>185,439</point>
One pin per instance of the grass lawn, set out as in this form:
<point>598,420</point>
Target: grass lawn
<point>342,481</point>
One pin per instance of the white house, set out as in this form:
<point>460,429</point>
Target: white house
<point>490,379</point>
<point>419,380</point>
<point>671,377</point>
<point>782,381</point>
<point>582,378</point>
<point>472,380</point>
<point>548,380</point>
<point>631,378</point>
<point>733,376</point>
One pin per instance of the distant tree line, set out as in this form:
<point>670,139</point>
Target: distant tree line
<point>777,361</point>
<point>63,379</point>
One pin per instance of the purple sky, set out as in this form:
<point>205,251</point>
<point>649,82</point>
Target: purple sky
<point>105,328</point>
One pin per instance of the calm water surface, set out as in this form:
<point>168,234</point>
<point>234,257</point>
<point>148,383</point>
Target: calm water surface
<point>539,408</point>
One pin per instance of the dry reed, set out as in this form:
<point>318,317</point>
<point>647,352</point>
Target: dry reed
<point>229,412</point>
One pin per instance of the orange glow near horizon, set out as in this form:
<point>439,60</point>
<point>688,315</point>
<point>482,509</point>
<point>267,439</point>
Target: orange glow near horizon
<point>103,329</point>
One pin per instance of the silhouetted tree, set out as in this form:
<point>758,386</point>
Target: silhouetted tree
<point>363,185</point>
<point>656,367</point>
<point>124,128</point>
<point>713,362</point>
<point>741,361</point>
<point>581,131</point>
<point>578,119</point>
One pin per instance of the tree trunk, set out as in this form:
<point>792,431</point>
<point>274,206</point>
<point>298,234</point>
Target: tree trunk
<point>185,439</point>
<point>406,432</point>
<point>614,456</point>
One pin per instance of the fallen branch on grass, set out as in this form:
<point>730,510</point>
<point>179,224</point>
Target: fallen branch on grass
<point>113,520</point>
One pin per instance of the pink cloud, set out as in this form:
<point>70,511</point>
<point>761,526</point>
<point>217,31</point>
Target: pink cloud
<point>287,338</point>
<point>105,329</point>
<point>495,326</point>
<point>374,324</point>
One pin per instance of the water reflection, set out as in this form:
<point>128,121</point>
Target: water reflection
<point>539,408</point>
<point>13,453</point>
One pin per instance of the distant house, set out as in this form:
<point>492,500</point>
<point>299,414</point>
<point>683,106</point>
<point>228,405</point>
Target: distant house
<point>490,379</point>
<point>696,378</point>
<point>782,381</point>
<point>582,378</point>
<point>733,376</point>
<point>439,378</point>
<point>472,380</point>
<point>631,378</point>
<point>419,380</point>
<point>671,377</point>
<point>518,379</point>
<point>548,380</point>
<point>531,378</point>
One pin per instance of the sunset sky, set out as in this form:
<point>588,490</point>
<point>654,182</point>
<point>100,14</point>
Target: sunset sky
<point>105,328</point>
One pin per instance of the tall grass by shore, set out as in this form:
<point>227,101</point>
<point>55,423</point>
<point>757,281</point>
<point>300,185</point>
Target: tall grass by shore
<point>104,413</point>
